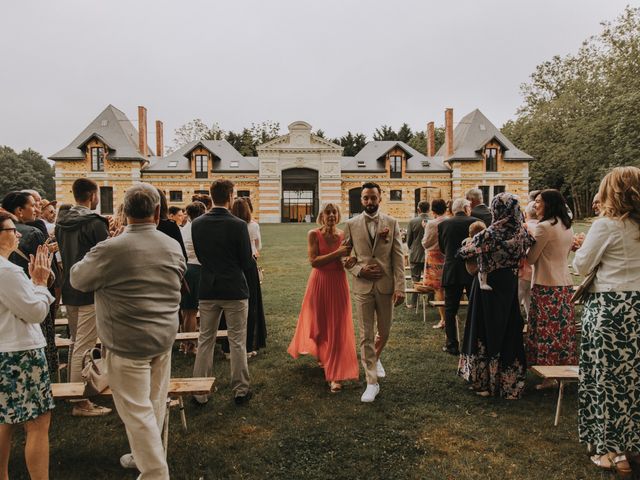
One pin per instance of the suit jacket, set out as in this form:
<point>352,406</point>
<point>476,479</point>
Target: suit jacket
<point>388,254</point>
<point>451,233</point>
<point>482,212</point>
<point>222,245</point>
<point>415,232</point>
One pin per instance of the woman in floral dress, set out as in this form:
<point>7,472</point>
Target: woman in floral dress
<point>609,388</point>
<point>493,358</point>
<point>551,337</point>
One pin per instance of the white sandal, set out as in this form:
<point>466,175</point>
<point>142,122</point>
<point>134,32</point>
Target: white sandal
<point>613,461</point>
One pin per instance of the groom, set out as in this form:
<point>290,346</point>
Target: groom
<point>377,263</point>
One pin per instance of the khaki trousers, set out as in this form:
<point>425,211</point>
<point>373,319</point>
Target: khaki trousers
<point>140,389</point>
<point>83,333</point>
<point>235,313</point>
<point>374,311</point>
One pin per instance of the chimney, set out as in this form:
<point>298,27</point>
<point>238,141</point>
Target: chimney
<point>159,139</point>
<point>448,131</point>
<point>142,131</point>
<point>431,139</point>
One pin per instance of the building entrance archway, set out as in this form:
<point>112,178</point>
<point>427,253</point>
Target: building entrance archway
<point>299,195</point>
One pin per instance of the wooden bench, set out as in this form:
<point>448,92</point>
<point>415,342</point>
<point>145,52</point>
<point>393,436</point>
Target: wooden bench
<point>178,388</point>
<point>61,322</point>
<point>62,342</point>
<point>422,300</point>
<point>440,303</point>
<point>561,374</point>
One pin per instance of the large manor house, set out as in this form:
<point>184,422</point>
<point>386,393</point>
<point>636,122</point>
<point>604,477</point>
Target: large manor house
<point>296,172</point>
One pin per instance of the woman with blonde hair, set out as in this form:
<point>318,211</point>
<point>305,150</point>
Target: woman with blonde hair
<point>325,326</point>
<point>609,388</point>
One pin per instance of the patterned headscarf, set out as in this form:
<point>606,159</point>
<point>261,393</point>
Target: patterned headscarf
<point>505,241</point>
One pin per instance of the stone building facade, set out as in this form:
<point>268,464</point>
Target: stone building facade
<point>296,172</point>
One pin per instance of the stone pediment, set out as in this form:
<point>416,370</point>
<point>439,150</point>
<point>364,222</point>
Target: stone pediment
<point>299,138</point>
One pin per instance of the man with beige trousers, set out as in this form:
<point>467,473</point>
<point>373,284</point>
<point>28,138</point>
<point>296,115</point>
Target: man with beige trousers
<point>377,263</point>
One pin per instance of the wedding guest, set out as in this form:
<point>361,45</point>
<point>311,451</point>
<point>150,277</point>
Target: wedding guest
<point>415,232</point>
<point>136,280</point>
<point>551,337</point>
<point>189,302</point>
<point>478,208</point>
<point>525,272</point>
<point>595,205</point>
<point>204,198</point>
<point>49,214</point>
<point>23,206</point>
<point>493,358</point>
<point>609,388</point>
<point>25,386</point>
<point>434,258</point>
<point>325,328</point>
<point>37,222</point>
<point>176,215</point>
<point>169,227</point>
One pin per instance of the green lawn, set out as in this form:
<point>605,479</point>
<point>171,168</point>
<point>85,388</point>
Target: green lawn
<point>424,424</point>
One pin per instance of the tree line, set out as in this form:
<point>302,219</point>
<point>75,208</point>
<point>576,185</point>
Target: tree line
<point>25,170</point>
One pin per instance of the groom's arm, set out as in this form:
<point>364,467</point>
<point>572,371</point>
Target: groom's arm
<point>355,270</point>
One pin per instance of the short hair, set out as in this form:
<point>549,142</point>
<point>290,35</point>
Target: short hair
<point>475,194</point>
<point>140,201</point>
<point>221,190</point>
<point>4,216</point>
<point>423,206</point>
<point>83,188</point>
<point>64,206</point>
<point>476,227</point>
<point>195,209</point>
<point>203,198</point>
<point>371,185</point>
<point>240,209</point>
<point>32,192</point>
<point>459,204</point>
<point>438,206</point>
<point>14,200</point>
<point>533,194</point>
<point>323,208</point>
<point>173,210</point>
<point>530,211</point>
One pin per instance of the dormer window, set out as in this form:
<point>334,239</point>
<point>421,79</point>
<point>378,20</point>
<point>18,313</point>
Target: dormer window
<point>97,159</point>
<point>234,164</point>
<point>361,164</point>
<point>491,159</point>
<point>395,162</point>
<point>202,163</point>
<point>173,164</point>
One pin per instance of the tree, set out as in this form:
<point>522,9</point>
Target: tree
<point>385,132</point>
<point>351,143</point>
<point>196,129</point>
<point>405,134</point>
<point>25,170</point>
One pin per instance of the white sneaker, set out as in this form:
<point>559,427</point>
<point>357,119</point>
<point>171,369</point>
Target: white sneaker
<point>127,461</point>
<point>380,370</point>
<point>370,393</point>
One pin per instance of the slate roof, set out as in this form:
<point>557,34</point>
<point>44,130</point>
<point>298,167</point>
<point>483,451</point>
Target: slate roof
<point>224,156</point>
<point>472,133</point>
<point>372,157</point>
<point>114,129</point>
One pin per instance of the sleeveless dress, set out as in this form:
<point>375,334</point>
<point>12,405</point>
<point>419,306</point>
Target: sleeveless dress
<point>325,326</point>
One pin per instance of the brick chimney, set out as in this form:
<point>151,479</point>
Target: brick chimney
<point>159,139</point>
<point>448,131</point>
<point>142,131</point>
<point>431,139</point>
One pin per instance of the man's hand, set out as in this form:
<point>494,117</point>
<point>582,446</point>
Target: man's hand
<point>371,272</point>
<point>398,298</point>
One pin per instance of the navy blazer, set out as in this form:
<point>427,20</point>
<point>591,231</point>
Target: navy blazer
<point>451,233</point>
<point>483,213</point>
<point>222,245</point>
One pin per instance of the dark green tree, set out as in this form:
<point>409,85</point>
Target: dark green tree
<point>27,169</point>
<point>385,132</point>
<point>405,134</point>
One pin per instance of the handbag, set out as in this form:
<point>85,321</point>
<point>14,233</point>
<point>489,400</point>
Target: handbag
<point>94,374</point>
<point>260,274</point>
<point>580,295</point>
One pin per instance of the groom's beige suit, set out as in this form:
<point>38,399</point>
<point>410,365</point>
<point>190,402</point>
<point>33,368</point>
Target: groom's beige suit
<point>373,299</point>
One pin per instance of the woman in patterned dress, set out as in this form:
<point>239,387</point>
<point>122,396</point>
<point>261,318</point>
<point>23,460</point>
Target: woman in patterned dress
<point>493,359</point>
<point>434,259</point>
<point>609,388</point>
<point>551,338</point>
<point>25,388</point>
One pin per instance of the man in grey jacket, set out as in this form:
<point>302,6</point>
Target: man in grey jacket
<point>415,232</point>
<point>136,280</point>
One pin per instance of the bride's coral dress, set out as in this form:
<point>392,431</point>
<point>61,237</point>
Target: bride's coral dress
<point>325,326</point>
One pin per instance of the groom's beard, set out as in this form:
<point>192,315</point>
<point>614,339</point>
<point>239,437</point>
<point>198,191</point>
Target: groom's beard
<point>371,209</point>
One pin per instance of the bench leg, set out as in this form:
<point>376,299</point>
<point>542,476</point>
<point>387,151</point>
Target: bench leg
<point>560,394</point>
<point>424,308</point>
<point>165,432</point>
<point>183,415</point>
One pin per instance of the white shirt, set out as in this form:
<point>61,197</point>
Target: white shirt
<point>372,226</point>
<point>254,236</point>
<point>188,244</point>
<point>22,307</point>
<point>614,245</point>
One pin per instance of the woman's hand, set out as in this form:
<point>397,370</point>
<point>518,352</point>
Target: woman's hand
<point>578,240</point>
<point>40,266</point>
<point>343,250</point>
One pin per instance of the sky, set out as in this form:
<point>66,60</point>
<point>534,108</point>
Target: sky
<point>340,65</point>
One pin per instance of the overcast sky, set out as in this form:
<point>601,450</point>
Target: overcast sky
<point>337,64</point>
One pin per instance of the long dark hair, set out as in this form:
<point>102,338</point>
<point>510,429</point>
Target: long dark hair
<point>164,208</point>
<point>240,209</point>
<point>555,207</point>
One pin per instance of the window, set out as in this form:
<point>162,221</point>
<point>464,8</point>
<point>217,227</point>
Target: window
<point>491,159</point>
<point>244,193</point>
<point>395,195</point>
<point>173,164</point>
<point>361,164</point>
<point>97,159</point>
<point>486,194</point>
<point>175,195</point>
<point>234,164</point>
<point>202,162</point>
<point>395,166</point>
<point>498,189</point>
<point>106,200</point>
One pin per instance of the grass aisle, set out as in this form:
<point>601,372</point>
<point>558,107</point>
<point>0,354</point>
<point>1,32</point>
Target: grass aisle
<point>424,424</point>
